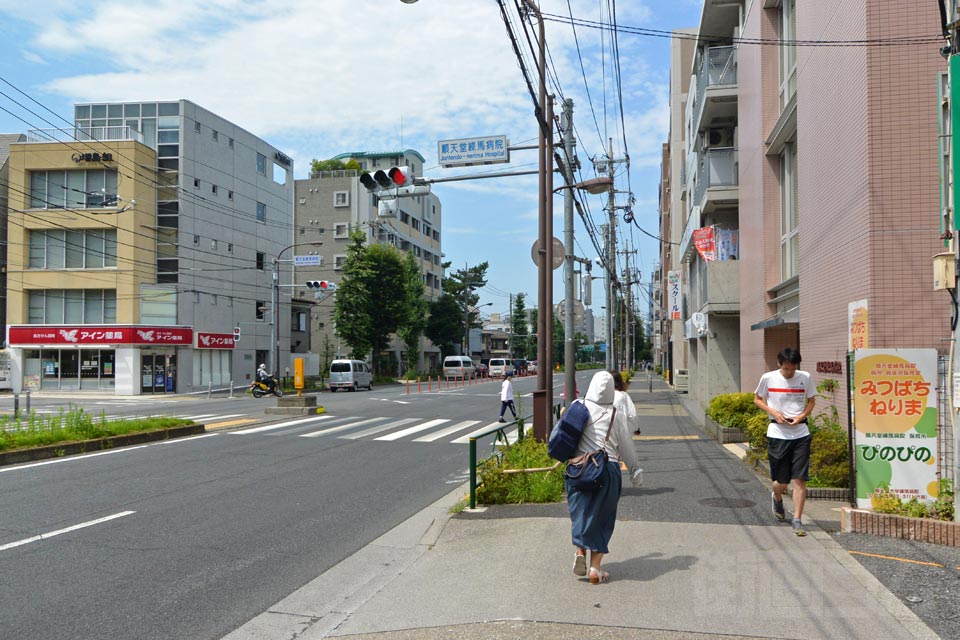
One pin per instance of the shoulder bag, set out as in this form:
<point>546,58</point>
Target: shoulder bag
<point>585,472</point>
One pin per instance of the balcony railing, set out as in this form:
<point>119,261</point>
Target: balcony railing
<point>717,67</point>
<point>84,134</point>
<point>717,168</point>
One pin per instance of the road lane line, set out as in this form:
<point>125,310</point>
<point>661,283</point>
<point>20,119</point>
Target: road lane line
<point>279,425</point>
<point>415,429</point>
<point>346,427</point>
<point>436,435</point>
<point>45,536</point>
<point>882,557</point>
<point>379,429</point>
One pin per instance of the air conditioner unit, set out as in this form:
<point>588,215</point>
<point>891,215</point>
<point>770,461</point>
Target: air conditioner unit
<point>720,137</point>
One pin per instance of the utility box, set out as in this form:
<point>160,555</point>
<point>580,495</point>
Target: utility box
<point>944,271</point>
<point>682,383</point>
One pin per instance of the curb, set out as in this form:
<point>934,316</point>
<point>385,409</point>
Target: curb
<point>74,448</point>
<point>889,525</point>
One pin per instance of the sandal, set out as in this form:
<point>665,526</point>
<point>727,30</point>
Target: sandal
<point>597,576</point>
<point>580,564</point>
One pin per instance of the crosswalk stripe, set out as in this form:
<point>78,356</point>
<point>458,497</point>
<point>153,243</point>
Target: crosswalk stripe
<point>415,429</point>
<point>201,416</point>
<point>465,439</point>
<point>436,435</point>
<point>379,428</point>
<point>279,425</point>
<point>346,427</point>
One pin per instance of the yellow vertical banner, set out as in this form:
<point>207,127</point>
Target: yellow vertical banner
<point>858,327</point>
<point>895,409</point>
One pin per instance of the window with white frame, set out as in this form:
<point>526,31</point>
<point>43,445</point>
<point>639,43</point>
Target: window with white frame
<point>73,249</point>
<point>92,188</point>
<point>261,164</point>
<point>789,229</point>
<point>338,261</point>
<point>261,212</point>
<point>74,306</point>
<point>341,198</point>
<point>341,230</point>
<point>788,50</point>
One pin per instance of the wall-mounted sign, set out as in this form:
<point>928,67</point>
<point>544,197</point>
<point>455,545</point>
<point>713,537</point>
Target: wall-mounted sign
<point>283,159</point>
<point>464,152</point>
<point>207,340</point>
<point>92,157</point>
<point>307,261</point>
<point>673,286</point>
<point>858,325</point>
<point>96,334</point>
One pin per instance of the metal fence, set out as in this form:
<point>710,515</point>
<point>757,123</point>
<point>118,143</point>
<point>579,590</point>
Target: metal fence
<point>945,454</point>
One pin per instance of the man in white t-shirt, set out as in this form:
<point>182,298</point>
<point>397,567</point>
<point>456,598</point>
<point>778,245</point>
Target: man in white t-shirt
<point>788,397</point>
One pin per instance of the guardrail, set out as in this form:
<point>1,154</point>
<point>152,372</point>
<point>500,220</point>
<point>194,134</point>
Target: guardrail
<point>500,430</point>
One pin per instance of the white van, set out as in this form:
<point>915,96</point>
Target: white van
<point>459,367</point>
<point>350,374</point>
<point>500,367</point>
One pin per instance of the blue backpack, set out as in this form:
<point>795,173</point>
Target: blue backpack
<point>565,437</point>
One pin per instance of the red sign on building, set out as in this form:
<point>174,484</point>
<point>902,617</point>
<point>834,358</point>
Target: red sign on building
<point>98,335</point>
<point>207,340</point>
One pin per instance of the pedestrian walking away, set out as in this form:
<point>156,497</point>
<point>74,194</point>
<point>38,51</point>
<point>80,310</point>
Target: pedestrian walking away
<point>624,405</point>
<point>593,514</point>
<point>788,397</point>
<point>506,397</point>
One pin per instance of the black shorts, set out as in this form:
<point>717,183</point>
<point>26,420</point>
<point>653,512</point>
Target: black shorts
<point>789,459</point>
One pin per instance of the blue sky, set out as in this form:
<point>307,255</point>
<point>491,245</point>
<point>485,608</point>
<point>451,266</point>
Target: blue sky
<point>321,78</point>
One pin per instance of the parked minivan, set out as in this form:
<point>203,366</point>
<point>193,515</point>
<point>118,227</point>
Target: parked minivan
<point>458,367</point>
<point>500,367</point>
<point>350,374</point>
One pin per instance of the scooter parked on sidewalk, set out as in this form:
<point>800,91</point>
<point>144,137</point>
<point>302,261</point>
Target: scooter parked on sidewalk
<point>260,388</point>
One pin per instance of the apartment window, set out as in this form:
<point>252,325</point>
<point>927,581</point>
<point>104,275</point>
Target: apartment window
<point>261,212</point>
<point>299,322</point>
<point>196,183</point>
<point>338,261</point>
<point>229,247</point>
<point>436,235</point>
<point>230,142</point>
<point>74,306</point>
<point>404,217</point>
<point>73,249</point>
<point>229,195</point>
<point>788,51</point>
<point>341,230</point>
<point>196,239</point>
<point>196,127</point>
<point>94,188</point>
<point>261,164</point>
<point>415,224</point>
<point>261,260</point>
<point>213,188</point>
<point>261,306</point>
<point>213,244</point>
<point>341,198</point>
<point>213,299</point>
<point>214,135</point>
<point>789,229</point>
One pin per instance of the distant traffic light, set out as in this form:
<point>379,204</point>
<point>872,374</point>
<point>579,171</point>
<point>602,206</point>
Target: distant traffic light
<point>321,285</point>
<point>393,183</point>
<point>236,334</point>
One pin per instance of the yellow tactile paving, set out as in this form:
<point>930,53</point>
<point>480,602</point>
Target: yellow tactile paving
<point>229,423</point>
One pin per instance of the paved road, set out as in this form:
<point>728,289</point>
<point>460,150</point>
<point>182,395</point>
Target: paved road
<point>190,538</point>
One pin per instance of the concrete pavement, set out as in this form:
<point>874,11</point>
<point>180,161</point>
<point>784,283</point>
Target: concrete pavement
<point>696,554</point>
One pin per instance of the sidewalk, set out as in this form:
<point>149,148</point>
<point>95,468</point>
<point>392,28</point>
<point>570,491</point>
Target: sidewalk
<point>696,554</point>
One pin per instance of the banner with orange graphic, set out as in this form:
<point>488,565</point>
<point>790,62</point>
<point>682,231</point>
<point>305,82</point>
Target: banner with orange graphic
<point>895,416</point>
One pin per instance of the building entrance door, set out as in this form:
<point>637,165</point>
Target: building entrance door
<point>158,372</point>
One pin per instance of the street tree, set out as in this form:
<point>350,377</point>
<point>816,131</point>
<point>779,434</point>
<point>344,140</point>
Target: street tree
<point>460,284</point>
<point>519,332</point>
<point>374,298</point>
<point>415,323</point>
<point>445,323</point>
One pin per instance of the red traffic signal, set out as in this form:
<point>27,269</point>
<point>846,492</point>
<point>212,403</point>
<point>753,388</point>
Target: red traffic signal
<point>392,178</point>
<point>322,285</point>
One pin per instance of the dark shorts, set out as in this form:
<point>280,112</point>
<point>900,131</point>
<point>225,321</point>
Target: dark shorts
<point>789,459</point>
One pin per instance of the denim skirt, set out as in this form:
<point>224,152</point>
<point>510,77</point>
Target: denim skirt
<point>593,514</point>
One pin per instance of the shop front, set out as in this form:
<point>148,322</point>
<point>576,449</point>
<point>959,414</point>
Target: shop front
<point>213,359</point>
<point>128,359</point>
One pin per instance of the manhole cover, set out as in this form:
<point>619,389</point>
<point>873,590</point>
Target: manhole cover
<point>727,503</point>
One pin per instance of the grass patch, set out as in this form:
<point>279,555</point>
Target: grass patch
<point>498,487</point>
<point>73,425</point>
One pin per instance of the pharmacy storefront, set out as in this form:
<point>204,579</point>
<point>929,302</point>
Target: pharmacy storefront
<point>125,359</point>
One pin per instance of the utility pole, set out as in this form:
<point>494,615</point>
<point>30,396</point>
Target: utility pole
<point>611,264</point>
<point>569,348</point>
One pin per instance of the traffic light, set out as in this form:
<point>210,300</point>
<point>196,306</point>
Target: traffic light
<point>321,285</point>
<point>392,178</point>
<point>236,334</point>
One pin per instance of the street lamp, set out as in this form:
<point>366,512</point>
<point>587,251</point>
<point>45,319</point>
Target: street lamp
<point>275,304</point>
<point>593,186</point>
<point>466,325</point>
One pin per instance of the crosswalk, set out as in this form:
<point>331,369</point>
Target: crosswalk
<point>381,429</point>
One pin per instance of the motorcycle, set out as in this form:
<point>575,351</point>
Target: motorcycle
<point>260,388</point>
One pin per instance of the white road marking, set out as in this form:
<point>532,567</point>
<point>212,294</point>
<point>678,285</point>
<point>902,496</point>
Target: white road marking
<point>414,429</point>
<point>379,428</point>
<point>51,534</point>
<point>326,432</point>
<point>465,439</point>
<point>279,425</point>
<point>445,432</point>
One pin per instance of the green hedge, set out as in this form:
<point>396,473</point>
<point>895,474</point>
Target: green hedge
<point>829,466</point>
<point>498,487</point>
<point>733,409</point>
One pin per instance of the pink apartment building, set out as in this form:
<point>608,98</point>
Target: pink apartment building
<point>835,191</point>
